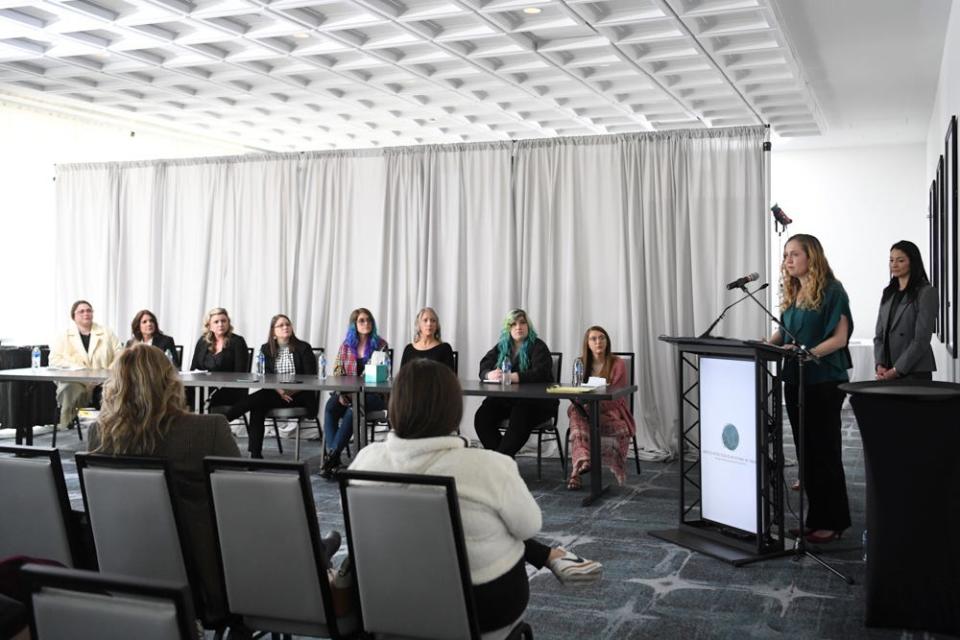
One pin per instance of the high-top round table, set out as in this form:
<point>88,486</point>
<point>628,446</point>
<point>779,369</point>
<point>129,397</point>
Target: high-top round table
<point>911,450</point>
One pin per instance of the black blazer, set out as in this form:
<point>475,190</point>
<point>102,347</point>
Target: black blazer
<point>303,359</point>
<point>541,363</point>
<point>162,342</point>
<point>233,358</point>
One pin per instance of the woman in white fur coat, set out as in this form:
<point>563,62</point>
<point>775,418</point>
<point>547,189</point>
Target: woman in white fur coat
<point>85,345</point>
<point>499,515</point>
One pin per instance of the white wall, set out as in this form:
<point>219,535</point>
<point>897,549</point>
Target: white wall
<point>858,201</point>
<point>33,142</point>
<point>947,103</point>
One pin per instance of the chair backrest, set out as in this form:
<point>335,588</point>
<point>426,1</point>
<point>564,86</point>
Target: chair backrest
<point>178,349</point>
<point>413,575</point>
<point>36,517</point>
<point>249,358</point>
<point>271,557</point>
<point>557,364</point>
<point>629,359</point>
<point>69,604</point>
<point>134,521</point>
<point>456,362</point>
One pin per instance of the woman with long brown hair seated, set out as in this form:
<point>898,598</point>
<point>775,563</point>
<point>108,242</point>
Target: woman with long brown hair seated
<point>146,329</point>
<point>616,422</point>
<point>283,353</point>
<point>143,414</point>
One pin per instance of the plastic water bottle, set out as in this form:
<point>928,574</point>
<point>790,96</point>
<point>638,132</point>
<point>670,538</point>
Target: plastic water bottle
<point>322,365</point>
<point>261,363</point>
<point>170,357</point>
<point>863,541</point>
<point>577,372</point>
<point>389,364</point>
<point>35,358</point>
<point>505,380</point>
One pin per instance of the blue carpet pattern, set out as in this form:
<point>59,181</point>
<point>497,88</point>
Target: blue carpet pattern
<point>650,588</point>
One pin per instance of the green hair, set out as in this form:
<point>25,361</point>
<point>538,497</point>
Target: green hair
<point>505,345</point>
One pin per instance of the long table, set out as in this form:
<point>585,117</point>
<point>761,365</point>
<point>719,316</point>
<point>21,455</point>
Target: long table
<point>204,380</point>
<point>358,387</point>
<point>538,391</point>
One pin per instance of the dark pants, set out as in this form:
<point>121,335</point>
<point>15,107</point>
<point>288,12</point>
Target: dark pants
<point>522,417</point>
<point>826,485</point>
<point>503,600</point>
<point>259,403</point>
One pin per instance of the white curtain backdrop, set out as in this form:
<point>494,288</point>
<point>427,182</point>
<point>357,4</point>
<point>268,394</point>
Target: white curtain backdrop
<point>637,233</point>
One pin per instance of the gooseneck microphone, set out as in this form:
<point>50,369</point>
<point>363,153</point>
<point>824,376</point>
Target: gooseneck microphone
<point>739,282</point>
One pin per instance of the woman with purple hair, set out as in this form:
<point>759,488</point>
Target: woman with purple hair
<point>358,345</point>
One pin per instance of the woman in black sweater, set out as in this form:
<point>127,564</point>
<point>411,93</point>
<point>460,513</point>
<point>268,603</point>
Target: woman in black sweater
<point>284,354</point>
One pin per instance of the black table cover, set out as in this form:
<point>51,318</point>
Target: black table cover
<point>911,450</point>
<point>24,404</point>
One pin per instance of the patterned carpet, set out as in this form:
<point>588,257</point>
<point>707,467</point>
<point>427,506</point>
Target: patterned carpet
<point>650,588</point>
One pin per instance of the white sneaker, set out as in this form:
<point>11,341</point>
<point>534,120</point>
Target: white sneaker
<point>572,568</point>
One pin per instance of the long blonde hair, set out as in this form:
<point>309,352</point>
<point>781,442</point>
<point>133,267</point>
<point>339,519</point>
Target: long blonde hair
<point>820,275</point>
<point>208,332</point>
<point>416,324</point>
<point>142,396</point>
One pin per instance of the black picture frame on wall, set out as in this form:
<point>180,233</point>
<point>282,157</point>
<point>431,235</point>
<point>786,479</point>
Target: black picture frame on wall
<point>942,253</point>
<point>950,233</point>
<point>934,272</point>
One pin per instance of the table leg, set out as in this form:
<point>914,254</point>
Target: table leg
<point>359,426</point>
<point>596,459</point>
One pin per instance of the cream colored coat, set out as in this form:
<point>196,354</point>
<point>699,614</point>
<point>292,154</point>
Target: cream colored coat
<point>68,350</point>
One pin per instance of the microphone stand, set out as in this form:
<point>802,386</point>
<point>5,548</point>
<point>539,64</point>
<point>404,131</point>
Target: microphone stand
<point>706,334</point>
<point>804,355</point>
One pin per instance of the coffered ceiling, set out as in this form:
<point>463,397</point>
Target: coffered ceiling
<point>319,74</point>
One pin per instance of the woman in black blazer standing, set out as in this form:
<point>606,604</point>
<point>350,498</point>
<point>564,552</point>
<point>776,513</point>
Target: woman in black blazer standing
<point>907,318</point>
<point>146,329</point>
<point>220,349</point>
<point>283,353</point>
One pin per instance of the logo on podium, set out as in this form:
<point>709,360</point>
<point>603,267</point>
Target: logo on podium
<point>731,437</point>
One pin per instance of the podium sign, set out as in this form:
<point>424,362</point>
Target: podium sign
<point>730,444</point>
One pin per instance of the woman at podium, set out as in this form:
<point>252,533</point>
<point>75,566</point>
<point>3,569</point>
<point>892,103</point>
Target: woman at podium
<point>816,313</point>
<point>906,320</point>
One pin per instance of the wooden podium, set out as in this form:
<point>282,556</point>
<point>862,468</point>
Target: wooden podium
<point>731,450</point>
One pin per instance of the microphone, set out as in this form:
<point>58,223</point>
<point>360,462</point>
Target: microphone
<point>739,282</point>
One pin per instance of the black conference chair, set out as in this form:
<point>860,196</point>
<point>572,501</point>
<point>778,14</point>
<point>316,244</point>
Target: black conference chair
<point>274,563</point>
<point>67,604</point>
<point>178,354</point>
<point>420,558</point>
<point>138,529</point>
<point>223,409</point>
<point>629,357</point>
<point>456,363</point>
<point>296,413</point>
<point>548,430</point>
<point>37,519</point>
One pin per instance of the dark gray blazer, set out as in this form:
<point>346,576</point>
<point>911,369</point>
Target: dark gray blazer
<point>910,332</point>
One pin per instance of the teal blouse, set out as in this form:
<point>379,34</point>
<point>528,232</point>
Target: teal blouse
<point>813,326</point>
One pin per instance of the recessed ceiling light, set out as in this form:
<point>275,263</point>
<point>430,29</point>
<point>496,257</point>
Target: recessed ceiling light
<point>301,35</point>
<point>532,10</point>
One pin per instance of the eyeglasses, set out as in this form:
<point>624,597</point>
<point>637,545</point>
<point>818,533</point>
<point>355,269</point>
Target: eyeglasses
<point>363,320</point>
<point>281,324</point>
